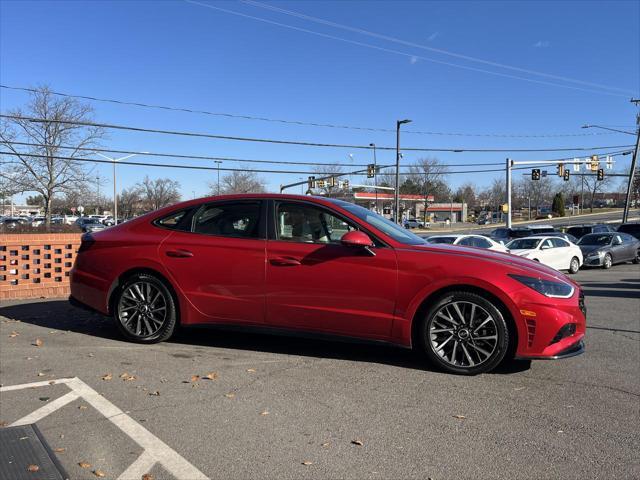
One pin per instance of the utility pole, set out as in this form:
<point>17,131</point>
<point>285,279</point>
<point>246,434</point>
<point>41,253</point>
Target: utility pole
<point>98,195</point>
<point>397,192</point>
<point>375,172</point>
<point>627,203</point>
<point>218,162</point>
<point>509,164</point>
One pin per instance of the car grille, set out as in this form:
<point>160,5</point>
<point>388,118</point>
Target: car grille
<point>583,307</point>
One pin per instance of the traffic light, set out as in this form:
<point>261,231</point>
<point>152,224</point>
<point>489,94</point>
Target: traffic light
<point>535,174</point>
<point>595,163</point>
<point>601,174</point>
<point>560,170</point>
<point>320,183</point>
<point>566,175</point>
<point>345,184</point>
<point>371,170</point>
<point>332,182</point>
<point>311,182</point>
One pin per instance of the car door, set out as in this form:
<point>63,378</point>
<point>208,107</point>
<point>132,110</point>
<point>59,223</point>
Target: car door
<point>628,244</point>
<point>313,282</point>
<point>619,250</point>
<point>547,253</point>
<point>218,260</point>
<point>562,253</point>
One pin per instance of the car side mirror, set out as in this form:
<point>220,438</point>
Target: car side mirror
<point>545,247</point>
<point>356,238</point>
<point>617,241</point>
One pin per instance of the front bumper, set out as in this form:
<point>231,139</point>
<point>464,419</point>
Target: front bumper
<point>577,348</point>
<point>593,261</point>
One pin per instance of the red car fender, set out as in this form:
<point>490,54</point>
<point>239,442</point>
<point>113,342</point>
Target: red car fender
<point>402,329</point>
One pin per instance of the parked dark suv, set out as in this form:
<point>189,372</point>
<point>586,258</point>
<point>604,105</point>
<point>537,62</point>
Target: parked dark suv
<point>631,229</point>
<point>580,231</point>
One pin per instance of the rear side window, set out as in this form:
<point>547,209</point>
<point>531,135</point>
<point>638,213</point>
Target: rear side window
<point>559,243</point>
<point>632,228</point>
<point>240,220</point>
<point>174,221</point>
<point>482,242</point>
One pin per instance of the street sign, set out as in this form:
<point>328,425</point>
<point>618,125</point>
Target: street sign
<point>505,208</point>
<point>609,162</point>
<point>544,173</point>
<point>576,164</point>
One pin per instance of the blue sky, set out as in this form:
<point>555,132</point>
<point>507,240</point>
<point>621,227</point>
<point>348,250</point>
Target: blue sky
<point>188,55</point>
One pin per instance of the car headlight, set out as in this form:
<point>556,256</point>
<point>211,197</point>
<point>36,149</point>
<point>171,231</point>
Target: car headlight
<point>547,288</point>
<point>597,253</point>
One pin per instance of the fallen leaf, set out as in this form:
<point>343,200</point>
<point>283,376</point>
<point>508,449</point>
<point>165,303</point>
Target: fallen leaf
<point>13,334</point>
<point>108,376</point>
<point>195,378</point>
<point>126,377</point>
<point>3,424</point>
<point>325,444</point>
<point>52,382</point>
<point>90,355</point>
<point>147,476</point>
<point>251,370</point>
<point>44,399</point>
<point>517,389</point>
<point>230,395</point>
<point>211,376</point>
<point>307,462</point>
<point>33,468</point>
<point>163,380</point>
<point>459,417</point>
<point>560,431</point>
<point>357,442</point>
<point>40,374</point>
<point>82,407</point>
<point>99,473</point>
<point>84,464</point>
<point>60,450</point>
<point>155,394</point>
<point>37,343</point>
<point>264,413</point>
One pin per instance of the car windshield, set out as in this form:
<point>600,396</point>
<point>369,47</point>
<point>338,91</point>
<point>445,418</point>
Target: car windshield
<point>524,244</point>
<point>441,239</point>
<point>595,239</point>
<point>578,231</point>
<point>632,228</point>
<point>396,232</point>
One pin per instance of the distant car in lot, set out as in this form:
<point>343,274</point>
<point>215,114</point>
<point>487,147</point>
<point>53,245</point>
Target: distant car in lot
<point>606,249</point>
<point>552,251</point>
<point>505,235</point>
<point>311,264</point>
<point>581,230</point>
<point>37,221</point>
<point>92,225</point>
<point>566,236</point>
<point>11,223</point>
<point>631,229</point>
<point>413,223</point>
<point>463,240</point>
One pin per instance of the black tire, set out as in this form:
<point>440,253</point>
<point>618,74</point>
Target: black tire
<point>427,337</point>
<point>574,265</point>
<point>636,260</point>
<point>607,262</point>
<point>160,328</point>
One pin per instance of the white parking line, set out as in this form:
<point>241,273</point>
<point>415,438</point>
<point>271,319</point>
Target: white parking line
<point>155,450</point>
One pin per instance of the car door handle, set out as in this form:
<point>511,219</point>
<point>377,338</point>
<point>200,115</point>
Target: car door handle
<point>284,261</point>
<point>179,253</point>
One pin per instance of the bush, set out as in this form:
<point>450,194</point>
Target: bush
<point>54,228</point>
<point>557,207</point>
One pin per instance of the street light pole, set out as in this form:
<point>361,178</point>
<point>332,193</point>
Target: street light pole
<point>508,193</point>
<point>397,192</point>
<point>634,159</point>
<point>218,162</point>
<point>115,192</point>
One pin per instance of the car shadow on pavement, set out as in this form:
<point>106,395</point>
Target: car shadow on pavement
<point>625,293</point>
<point>61,315</point>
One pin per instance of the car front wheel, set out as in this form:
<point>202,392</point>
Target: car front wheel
<point>145,310</point>
<point>464,333</point>
<point>607,262</point>
<point>574,266</point>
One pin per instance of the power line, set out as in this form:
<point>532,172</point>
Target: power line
<point>404,54</point>
<point>303,123</point>
<point>425,47</point>
<point>303,143</point>
<point>223,169</point>
<point>229,159</point>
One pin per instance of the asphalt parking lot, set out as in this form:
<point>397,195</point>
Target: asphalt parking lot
<point>238,405</point>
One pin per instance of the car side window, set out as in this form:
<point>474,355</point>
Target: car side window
<point>559,243</point>
<point>467,242</point>
<point>547,244</point>
<point>239,220</point>
<point>482,242</point>
<point>617,239</point>
<point>174,221</point>
<point>308,224</point>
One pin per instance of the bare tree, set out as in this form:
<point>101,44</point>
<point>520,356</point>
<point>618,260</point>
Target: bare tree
<point>158,193</point>
<point>46,173</point>
<point>325,171</point>
<point>130,201</point>
<point>593,186</point>
<point>239,182</point>
<point>466,193</point>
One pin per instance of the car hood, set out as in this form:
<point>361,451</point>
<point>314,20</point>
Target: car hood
<point>586,249</point>
<point>495,257</point>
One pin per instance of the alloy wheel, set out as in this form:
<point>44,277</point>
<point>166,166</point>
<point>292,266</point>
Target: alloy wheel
<point>142,309</point>
<point>607,261</point>
<point>463,334</point>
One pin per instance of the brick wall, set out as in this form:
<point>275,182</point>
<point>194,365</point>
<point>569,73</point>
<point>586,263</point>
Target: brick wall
<point>36,265</point>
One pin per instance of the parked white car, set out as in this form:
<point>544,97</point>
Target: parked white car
<point>477,241</point>
<point>554,252</point>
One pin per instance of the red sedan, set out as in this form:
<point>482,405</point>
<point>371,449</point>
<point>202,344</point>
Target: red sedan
<point>322,265</point>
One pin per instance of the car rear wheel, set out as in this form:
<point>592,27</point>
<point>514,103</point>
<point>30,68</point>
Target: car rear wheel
<point>464,333</point>
<point>607,262</point>
<point>145,310</point>
<point>574,266</point>
<point>636,260</point>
